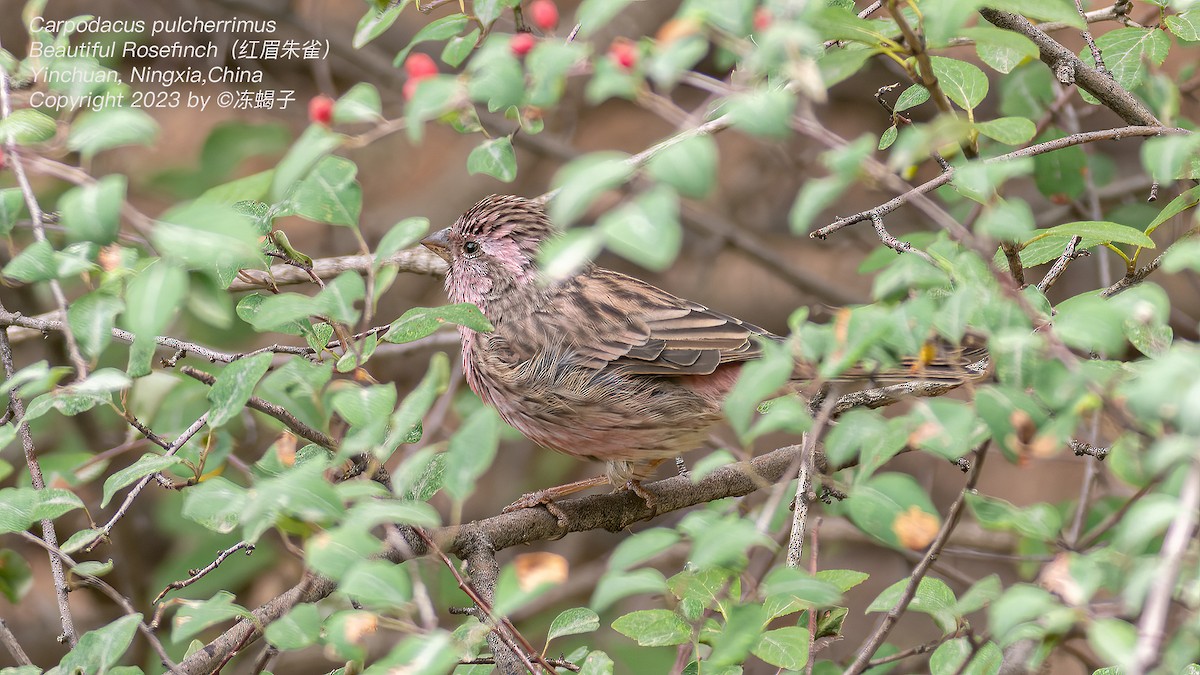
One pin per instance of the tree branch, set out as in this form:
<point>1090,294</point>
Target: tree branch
<point>1069,68</point>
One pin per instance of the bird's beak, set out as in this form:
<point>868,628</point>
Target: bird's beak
<point>439,243</point>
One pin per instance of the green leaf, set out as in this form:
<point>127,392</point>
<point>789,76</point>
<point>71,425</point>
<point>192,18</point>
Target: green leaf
<point>458,48</point>
<point>933,597</point>
<point>360,104</point>
<point>1001,49</point>
<point>16,577</point>
<point>22,507</point>
<point>885,140</point>
<point>1114,641</point>
<point>1188,199</point>
<point>584,179</point>
<point>313,145</point>
<point>196,615</point>
<point>757,380</point>
<point>375,21</point>
<point>592,15</point>
<point>108,128</point>
<point>547,66</point>
<point>402,235</point>
<point>646,230</point>
<point>763,112</point>
<point>1126,52</point>
<point>1060,173</point>
<point>299,628</point>
<point>377,584</point>
<point>335,552</point>
<point>616,585</point>
<point>1100,230</point>
<point>785,647</point>
<point>1008,130</point>
<point>432,97</point>
<point>1039,521</point>
<point>879,505</point>
<point>36,263</point>
<point>339,297</point>
<point>26,126</point>
<point>641,547</point>
<point>1185,25</point>
<point>216,504</point>
<point>148,464</point>
<point>573,621</point>
<point>1167,158</point>
<point>151,301</point>
<point>420,322</point>
<point>91,212</point>
<point>99,651</point>
<point>373,512</point>
<point>234,385</point>
<point>689,166</point>
<point>12,205</point>
<point>434,31</point>
<point>207,236</point>
<point>329,194</point>
<point>913,96</point>
<point>407,418</point>
<point>565,255</point>
<point>470,452</point>
<point>487,11</point>
<point>654,628</point>
<point>963,83</point>
<point>495,158</point>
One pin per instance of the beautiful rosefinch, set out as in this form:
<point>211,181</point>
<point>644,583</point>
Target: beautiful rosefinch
<point>599,365</point>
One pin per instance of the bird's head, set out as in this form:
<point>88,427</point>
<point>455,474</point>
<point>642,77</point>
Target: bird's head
<point>492,248</point>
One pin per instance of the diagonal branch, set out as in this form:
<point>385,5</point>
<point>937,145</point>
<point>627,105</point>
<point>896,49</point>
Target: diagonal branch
<point>1068,68</point>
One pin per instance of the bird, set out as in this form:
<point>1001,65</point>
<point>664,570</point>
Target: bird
<point>598,365</point>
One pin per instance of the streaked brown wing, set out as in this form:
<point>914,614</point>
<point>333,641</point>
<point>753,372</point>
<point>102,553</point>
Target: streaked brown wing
<point>645,330</point>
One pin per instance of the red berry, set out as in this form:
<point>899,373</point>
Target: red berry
<point>762,19</point>
<point>522,43</point>
<point>544,14</point>
<point>624,53</point>
<point>410,87</point>
<point>419,65</point>
<point>320,110</point>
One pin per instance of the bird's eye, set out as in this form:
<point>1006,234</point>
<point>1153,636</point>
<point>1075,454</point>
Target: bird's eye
<point>471,247</point>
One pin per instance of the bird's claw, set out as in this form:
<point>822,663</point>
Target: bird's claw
<point>544,498</point>
<point>638,489</point>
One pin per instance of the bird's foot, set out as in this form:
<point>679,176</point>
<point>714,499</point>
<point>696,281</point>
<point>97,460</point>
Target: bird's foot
<point>636,487</point>
<point>544,498</point>
<point>548,496</point>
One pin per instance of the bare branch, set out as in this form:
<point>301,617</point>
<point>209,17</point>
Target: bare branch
<point>39,483</point>
<point>888,620</point>
<point>197,575</point>
<point>1068,68</point>
<point>1180,534</point>
<point>1115,134</point>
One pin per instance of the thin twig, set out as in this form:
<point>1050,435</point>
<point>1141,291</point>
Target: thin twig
<point>1069,253</point>
<point>39,234</point>
<point>198,574</point>
<point>1068,67</point>
<point>1180,533</point>
<point>145,480</point>
<point>10,643</point>
<point>39,483</point>
<point>124,603</point>
<point>278,412</point>
<point>889,619</point>
<point>1091,42</point>
<point>1031,151</point>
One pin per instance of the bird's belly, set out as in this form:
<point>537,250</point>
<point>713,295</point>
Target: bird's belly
<point>598,416</point>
